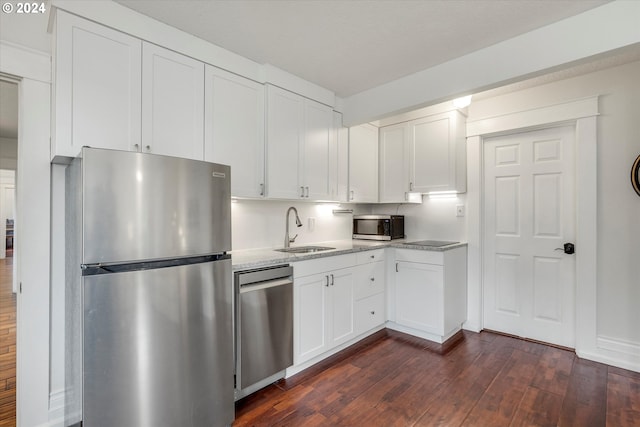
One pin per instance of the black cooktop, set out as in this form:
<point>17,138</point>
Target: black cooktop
<point>432,243</point>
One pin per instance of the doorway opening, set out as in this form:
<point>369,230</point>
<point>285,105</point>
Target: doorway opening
<point>8,299</point>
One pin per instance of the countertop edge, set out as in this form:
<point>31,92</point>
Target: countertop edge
<point>269,257</point>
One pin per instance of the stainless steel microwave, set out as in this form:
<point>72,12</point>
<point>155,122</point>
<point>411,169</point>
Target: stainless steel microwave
<point>378,227</point>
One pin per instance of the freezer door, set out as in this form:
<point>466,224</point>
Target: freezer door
<point>158,347</point>
<point>143,206</point>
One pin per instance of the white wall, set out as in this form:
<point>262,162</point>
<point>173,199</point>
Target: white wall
<point>8,153</point>
<point>618,234</point>
<point>434,219</point>
<point>261,224</point>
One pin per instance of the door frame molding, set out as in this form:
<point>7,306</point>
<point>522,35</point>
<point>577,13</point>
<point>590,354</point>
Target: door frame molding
<point>582,115</point>
<point>31,70</point>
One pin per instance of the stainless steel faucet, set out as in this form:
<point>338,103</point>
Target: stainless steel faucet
<point>288,240</point>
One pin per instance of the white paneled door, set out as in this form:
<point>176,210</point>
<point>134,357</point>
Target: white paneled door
<point>529,214</point>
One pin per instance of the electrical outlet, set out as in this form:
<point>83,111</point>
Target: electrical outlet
<point>459,210</point>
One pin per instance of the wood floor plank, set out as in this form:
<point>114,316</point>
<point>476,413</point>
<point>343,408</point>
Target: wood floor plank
<point>537,408</point>
<point>7,345</point>
<point>554,370</point>
<point>623,400</point>
<point>585,401</point>
<point>499,403</point>
<point>484,379</point>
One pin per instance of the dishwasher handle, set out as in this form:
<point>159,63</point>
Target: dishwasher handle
<point>250,287</point>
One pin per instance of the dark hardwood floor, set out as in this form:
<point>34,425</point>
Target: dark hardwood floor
<point>483,379</point>
<point>7,345</point>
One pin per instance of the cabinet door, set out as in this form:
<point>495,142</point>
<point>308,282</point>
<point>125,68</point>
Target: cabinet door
<point>316,151</point>
<point>234,129</point>
<point>363,163</point>
<point>172,103</point>
<point>284,139</point>
<point>419,296</point>
<point>310,325</point>
<point>394,163</point>
<point>438,153</point>
<point>97,95</point>
<point>341,306</point>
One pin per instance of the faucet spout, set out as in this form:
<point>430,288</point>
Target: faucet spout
<point>287,239</point>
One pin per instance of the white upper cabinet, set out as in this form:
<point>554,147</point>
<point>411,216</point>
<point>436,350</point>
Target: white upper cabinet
<point>394,163</point>
<point>423,156</point>
<point>234,129</point>
<point>438,153</point>
<point>285,127</point>
<point>172,103</point>
<point>317,152</point>
<point>298,147</point>
<point>363,164</point>
<point>97,87</point>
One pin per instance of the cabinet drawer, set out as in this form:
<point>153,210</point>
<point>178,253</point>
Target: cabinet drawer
<point>321,265</point>
<point>369,313</point>
<point>370,280</point>
<point>370,256</point>
<point>421,256</point>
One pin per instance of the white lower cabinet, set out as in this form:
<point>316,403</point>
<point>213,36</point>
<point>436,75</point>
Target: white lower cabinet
<point>430,292</point>
<point>369,291</point>
<point>336,300</point>
<point>324,312</point>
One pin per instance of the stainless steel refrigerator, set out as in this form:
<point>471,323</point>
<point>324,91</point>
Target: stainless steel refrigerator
<point>148,291</point>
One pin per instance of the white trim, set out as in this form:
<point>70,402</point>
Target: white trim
<point>544,116</point>
<point>474,235</point>
<point>56,408</point>
<point>619,346</point>
<point>32,229</point>
<point>583,113</point>
<point>586,159</point>
<point>24,62</point>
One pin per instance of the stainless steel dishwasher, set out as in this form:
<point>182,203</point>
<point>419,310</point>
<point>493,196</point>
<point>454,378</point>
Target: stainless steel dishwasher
<point>264,326</point>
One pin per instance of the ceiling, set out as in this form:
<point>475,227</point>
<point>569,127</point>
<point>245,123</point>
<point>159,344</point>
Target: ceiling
<point>349,46</point>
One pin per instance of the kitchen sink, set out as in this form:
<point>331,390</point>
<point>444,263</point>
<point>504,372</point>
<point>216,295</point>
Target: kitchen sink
<point>305,249</point>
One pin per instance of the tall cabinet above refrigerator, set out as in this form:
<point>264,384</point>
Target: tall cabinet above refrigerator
<point>148,291</point>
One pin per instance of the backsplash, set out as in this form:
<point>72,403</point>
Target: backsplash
<point>261,223</point>
<point>434,219</point>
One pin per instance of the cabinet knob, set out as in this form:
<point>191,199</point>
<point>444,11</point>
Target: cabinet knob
<point>372,256</point>
<point>373,312</point>
<point>148,147</point>
<point>373,279</point>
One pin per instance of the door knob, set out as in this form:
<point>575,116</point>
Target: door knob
<point>569,248</point>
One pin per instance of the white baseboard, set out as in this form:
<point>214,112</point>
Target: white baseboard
<point>615,352</point>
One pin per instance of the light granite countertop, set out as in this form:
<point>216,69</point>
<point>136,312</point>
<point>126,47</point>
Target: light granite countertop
<point>255,258</point>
